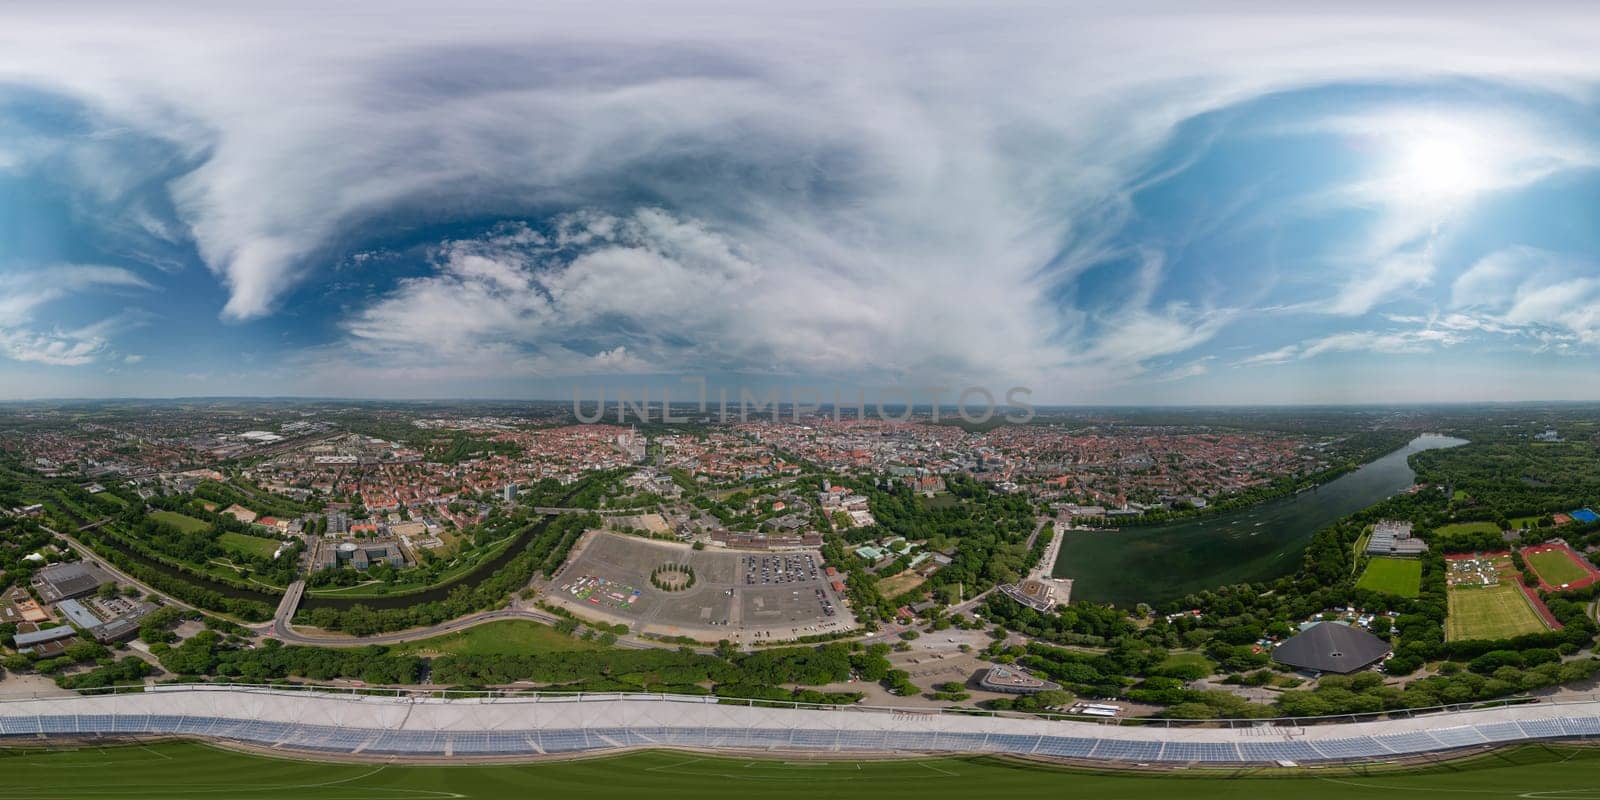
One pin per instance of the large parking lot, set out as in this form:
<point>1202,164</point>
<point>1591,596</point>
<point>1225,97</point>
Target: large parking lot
<point>737,595</point>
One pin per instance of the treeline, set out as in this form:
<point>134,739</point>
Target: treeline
<point>264,503</point>
<point>192,550</point>
<point>548,544</point>
<point>175,586</point>
<point>209,653</point>
<point>753,675</point>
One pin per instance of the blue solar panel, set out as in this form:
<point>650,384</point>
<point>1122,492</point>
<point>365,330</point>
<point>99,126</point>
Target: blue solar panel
<point>1359,747</point>
<point>64,723</point>
<point>17,726</point>
<point>809,738</point>
<point>1461,736</point>
<point>862,740</point>
<point>563,741</point>
<point>1582,726</point>
<point>1542,728</point>
<point>1408,742</point>
<point>1199,751</point>
<point>1278,751</point>
<point>1120,750</point>
<point>1501,731</point>
<point>1065,747</point>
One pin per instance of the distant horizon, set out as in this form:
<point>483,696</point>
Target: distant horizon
<point>567,403</point>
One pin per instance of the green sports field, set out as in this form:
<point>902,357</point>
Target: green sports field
<point>182,522</point>
<point>504,637</point>
<point>181,770</point>
<point>1490,612</point>
<point>1468,527</point>
<point>1556,567</point>
<point>1396,576</point>
<point>249,545</point>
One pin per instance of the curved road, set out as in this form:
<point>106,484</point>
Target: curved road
<point>281,629</point>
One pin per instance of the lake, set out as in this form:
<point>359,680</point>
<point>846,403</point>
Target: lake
<point>1162,562</point>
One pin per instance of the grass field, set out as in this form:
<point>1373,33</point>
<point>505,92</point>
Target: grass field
<point>182,522</point>
<point>1188,659</point>
<point>249,545</point>
<point>1397,576</point>
<point>1468,527</point>
<point>505,637</point>
<point>180,770</point>
<point>1490,612</point>
<point>1556,567</point>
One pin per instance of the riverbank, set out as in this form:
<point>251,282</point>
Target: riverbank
<point>1162,562</point>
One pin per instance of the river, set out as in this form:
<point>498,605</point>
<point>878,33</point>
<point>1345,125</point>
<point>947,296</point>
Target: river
<point>1162,562</point>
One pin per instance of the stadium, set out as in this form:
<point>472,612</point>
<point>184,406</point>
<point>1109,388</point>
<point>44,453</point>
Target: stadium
<point>536,726</point>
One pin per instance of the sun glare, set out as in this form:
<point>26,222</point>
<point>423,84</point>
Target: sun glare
<point>1441,168</point>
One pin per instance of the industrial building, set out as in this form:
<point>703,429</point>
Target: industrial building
<point>1393,538</point>
<point>59,582</point>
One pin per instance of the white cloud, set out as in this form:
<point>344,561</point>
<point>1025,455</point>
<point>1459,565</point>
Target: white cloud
<point>1405,342</point>
<point>884,190</point>
<point>22,294</point>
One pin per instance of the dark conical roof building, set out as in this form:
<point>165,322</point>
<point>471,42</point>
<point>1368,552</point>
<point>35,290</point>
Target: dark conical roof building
<point>1331,647</point>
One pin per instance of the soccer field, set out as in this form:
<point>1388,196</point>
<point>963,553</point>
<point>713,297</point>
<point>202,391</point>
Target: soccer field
<point>1490,612</point>
<point>251,545</point>
<point>1555,567</point>
<point>182,522</point>
<point>180,770</point>
<point>1397,576</point>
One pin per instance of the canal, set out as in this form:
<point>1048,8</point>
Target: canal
<point>1162,562</point>
<point>440,592</point>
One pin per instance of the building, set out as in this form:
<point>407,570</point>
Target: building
<point>49,641</point>
<point>1331,647</point>
<point>59,582</point>
<point>360,555</point>
<point>1013,681</point>
<point>1036,595</point>
<point>510,493</point>
<point>111,620</point>
<point>1393,538</point>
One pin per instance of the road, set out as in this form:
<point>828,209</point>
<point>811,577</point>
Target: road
<point>281,629</point>
<point>120,575</point>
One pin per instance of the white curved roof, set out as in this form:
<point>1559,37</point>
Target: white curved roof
<point>537,725</point>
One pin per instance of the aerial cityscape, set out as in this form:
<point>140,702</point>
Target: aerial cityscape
<point>698,399</point>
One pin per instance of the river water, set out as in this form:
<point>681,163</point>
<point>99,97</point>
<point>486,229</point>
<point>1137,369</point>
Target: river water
<point>1162,562</point>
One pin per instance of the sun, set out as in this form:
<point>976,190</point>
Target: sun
<point>1441,168</point>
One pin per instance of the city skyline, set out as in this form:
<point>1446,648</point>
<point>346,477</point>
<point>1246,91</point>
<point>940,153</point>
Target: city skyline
<point>1254,207</point>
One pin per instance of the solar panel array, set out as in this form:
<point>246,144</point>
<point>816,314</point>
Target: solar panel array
<point>334,739</point>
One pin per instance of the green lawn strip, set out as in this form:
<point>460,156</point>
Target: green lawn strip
<point>1397,576</point>
<point>502,637</point>
<point>1467,527</point>
<point>182,522</point>
<point>186,769</point>
<point>248,545</point>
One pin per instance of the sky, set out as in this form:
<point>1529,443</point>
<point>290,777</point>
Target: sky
<point>1103,203</point>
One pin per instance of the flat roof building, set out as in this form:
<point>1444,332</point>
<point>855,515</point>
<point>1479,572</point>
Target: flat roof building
<point>1393,538</point>
<point>1014,681</point>
<point>1331,647</point>
<point>59,582</point>
<point>31,640</point>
